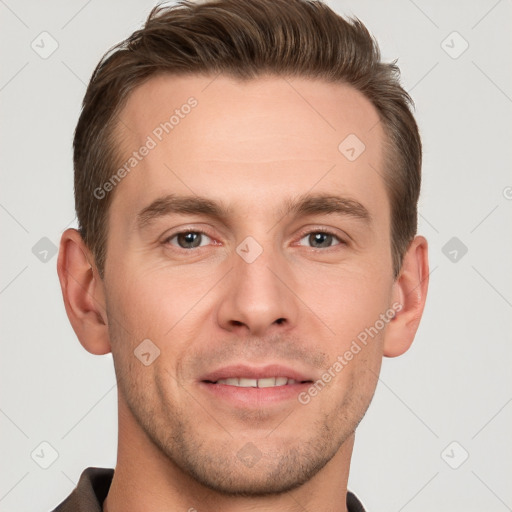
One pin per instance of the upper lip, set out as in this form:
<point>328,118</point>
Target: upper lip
<point>255,372</point>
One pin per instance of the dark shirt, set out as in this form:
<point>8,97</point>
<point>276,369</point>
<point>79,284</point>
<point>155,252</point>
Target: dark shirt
<point>94,483</point>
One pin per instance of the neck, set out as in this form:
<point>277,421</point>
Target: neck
<point>147,480</point>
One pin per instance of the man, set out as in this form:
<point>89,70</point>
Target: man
<point>246,183</point>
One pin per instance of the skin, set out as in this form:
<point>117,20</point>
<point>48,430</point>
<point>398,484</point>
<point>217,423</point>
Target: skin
<point>252,146</point>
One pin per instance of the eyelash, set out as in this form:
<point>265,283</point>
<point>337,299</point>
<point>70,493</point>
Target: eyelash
<point>324,231</point>
<point>303,235</point>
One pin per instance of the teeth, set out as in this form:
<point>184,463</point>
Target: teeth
<point>267,382</point>
<point>247,383</point>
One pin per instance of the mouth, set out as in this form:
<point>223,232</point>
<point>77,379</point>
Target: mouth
<point>246,386</point>
<point>265,382</point>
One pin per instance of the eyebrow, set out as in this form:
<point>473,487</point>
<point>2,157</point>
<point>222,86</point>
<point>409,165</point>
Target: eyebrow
<point>314,204</point>
<point>306,204</point>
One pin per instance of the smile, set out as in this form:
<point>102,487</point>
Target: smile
<point>269,382</point>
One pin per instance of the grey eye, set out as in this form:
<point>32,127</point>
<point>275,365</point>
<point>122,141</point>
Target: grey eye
<point>320,239</point>
<point>189,239</point>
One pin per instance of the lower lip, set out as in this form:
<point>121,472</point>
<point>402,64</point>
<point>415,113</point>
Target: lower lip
<point>254,397</point>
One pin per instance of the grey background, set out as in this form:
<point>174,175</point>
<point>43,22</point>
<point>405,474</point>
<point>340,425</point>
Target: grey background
<point>453,385</point>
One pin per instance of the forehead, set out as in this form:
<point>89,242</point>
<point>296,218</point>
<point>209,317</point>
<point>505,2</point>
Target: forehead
<point>215,134</point>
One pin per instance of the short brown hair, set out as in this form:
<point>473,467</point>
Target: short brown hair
<point>246,39</point>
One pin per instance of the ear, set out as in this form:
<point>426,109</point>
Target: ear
<point>83,293</point>
<point>409,290</point>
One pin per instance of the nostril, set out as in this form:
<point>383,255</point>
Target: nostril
<point>280,320</point>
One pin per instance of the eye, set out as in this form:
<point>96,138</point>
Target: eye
<point>189,239</point>
<point>321,239</point>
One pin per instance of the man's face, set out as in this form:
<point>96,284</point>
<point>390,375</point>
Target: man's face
<point>262,290</point>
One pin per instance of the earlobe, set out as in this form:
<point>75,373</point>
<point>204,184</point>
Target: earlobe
<point>83,294</point>
<point>410,291</point>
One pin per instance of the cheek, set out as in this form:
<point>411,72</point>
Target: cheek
<point>151,302</point>
<point>347,300</point>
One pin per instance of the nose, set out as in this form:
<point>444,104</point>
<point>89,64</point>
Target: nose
<point>258,297</point>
